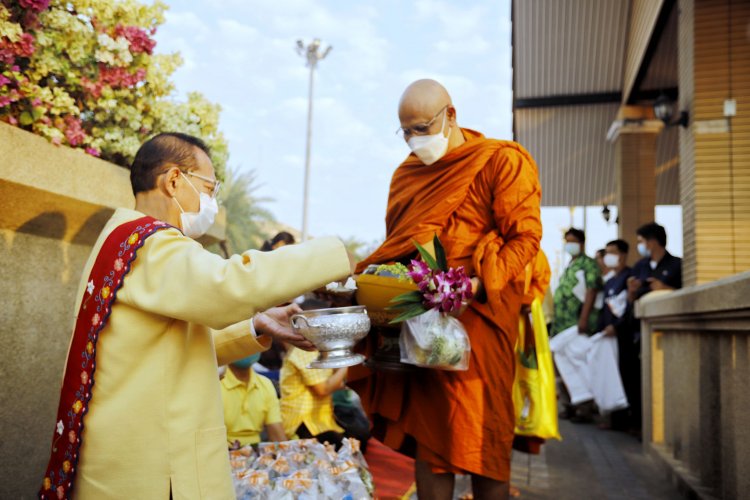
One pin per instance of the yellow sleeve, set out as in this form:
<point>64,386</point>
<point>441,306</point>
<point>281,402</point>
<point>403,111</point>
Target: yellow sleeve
<point>174,276</point>
<point>238,341</point>
<point>300,359</point>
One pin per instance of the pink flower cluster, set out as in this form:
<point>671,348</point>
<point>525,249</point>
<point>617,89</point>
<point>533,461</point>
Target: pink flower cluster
<point>441,290</point>
<point>114,77</point>
<point>22,48</point>
<point>34,5</point>
<point>139,39</point>
<point>9,95</point>
<point>120,77</point>
<point>74,132</point>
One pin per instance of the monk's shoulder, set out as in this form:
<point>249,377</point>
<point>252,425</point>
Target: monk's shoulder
<point>512,150</point>
<point>509,156</point>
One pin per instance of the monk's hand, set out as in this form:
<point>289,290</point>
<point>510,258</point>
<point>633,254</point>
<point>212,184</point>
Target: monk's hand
<point>477,289</point>
<point>476,286</point>
<point>275,323</point>
<point>526,309</point>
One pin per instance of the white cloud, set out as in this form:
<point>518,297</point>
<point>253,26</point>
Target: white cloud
<point>242,55</point>
<point>457,20</point>
<point>473,45</point>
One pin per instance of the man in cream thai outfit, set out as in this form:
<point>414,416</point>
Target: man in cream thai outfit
<point>154,428</point>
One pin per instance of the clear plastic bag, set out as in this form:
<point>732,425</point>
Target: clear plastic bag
<point>435,340</point>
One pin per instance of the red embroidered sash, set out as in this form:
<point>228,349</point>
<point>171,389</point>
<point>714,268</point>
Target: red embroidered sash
<point>109,270</point>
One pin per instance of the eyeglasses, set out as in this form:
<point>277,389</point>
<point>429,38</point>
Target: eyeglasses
<point>421,128</point>
<point>216,184</point>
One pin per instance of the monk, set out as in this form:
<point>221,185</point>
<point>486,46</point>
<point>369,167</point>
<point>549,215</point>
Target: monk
<point>140,412</point>
<point>482,198</point>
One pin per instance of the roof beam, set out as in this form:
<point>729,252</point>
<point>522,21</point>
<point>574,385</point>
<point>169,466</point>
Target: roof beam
<point>653,43</point>
<point>650,95</point>
<point>567,100</point>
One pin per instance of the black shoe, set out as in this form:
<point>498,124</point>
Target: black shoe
<point>581,419</point>
<point>567,413</point>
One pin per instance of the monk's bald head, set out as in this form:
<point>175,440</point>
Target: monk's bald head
<point>421,101</point>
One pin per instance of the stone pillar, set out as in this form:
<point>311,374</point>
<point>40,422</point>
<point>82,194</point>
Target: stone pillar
<point>635,134</point>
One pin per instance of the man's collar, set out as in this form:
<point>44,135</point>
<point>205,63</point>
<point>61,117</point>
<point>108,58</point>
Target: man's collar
<point>231,381</point>
<point>663,258</point>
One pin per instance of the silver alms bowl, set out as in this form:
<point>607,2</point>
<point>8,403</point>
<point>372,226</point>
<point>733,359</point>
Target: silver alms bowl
<point>333,332</point>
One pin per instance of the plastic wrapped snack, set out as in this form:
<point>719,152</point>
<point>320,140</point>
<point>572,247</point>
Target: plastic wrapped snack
<point>435,340</point>
<point>281,467</point>
<point>268,448</point>
<point>301,470</point>
<point>264,461</point>
<point>255,485</point>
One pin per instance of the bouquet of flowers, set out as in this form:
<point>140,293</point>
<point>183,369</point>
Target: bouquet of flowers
<point>431,335</point>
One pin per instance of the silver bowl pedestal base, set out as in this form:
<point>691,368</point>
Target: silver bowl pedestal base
<point>338,358</point>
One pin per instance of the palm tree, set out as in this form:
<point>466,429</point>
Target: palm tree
<point>247,218</point>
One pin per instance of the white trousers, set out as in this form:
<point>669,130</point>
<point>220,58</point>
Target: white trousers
<point>589,369</point>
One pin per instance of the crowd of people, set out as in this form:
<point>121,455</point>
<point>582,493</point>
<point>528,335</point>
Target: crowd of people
<point>597,296</point>
<point>165,305</point>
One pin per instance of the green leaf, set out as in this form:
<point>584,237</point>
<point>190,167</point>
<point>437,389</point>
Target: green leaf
<point>37,112</point>
<point>442,262</point>
<point>429,259</point>
<point>414,297</point>
<point>26,118</point>
<point>412,312</point>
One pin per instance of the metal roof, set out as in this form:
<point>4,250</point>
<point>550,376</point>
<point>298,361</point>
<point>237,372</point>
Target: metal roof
<point>569,63</point>
<point>575,161</point>
<point>564,47</point>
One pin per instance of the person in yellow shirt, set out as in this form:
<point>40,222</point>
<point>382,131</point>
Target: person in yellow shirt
<point>307,397</point>
<point>156,314</point>
<point>250,404</point>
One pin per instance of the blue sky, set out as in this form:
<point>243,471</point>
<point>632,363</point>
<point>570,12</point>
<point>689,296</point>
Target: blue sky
<point>242,55</point>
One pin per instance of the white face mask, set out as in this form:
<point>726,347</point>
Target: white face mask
<point>611,260</point>
<point>573,248</point>
<point>643,250</point>
<point>430,148</point>
<point>196,224</point>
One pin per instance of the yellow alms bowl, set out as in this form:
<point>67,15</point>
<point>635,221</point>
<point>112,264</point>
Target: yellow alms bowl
<point>376,292</point>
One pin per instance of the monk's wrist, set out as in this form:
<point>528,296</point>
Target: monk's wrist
<point>480,295</point>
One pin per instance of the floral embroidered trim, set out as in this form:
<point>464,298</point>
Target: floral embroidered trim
<point>105,280</point>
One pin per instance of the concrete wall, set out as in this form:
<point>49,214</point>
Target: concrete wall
<point>55,201</point>
<point>696,372</point>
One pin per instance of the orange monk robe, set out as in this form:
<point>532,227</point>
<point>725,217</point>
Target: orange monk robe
<point>483,200</point>
<point>538,278</point>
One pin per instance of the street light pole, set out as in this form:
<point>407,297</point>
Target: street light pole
<point>313,54</point>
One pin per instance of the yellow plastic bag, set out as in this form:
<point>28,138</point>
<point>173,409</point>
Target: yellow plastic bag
<point>534,395</point>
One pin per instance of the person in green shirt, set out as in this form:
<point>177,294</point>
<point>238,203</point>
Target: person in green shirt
<point>576,293</point>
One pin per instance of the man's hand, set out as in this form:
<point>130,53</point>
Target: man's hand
<point>656,284</point>
<point>275,323</point>
<point>525,309</point>
<point>334,383</point>
<point>583,325</point>
<point>634,284</point>
<point>610,331</point>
